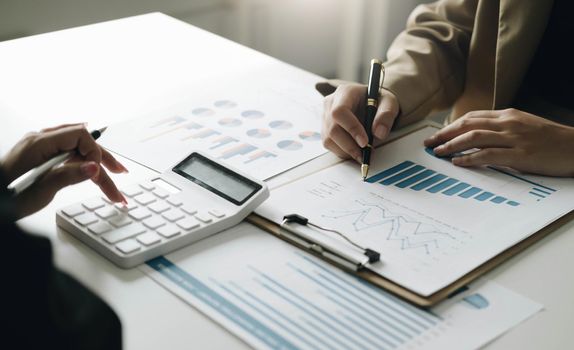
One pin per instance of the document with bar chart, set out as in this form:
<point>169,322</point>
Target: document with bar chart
<point>274,296</point>
<point>431,221</point>
<point>264,130</point>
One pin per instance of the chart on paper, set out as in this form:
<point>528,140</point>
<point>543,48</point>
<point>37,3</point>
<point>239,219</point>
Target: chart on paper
<point>259,133</point>
<point>274,296</point>
<point>431,221</point>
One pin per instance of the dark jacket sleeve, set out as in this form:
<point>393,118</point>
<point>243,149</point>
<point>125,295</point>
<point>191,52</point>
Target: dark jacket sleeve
<point>42,306</point>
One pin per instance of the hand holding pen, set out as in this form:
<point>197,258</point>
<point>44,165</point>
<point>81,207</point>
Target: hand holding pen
<point>58,157</point>
<point>345,112</point>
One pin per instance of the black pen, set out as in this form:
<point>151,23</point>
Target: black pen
<point>375,83</point>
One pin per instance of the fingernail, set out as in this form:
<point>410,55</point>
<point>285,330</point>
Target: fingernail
<point>428,141</point>
<point>89,169</point>
<point>456,161</point>
<point>361,140</point>
<point>380,131</point>
<point>125,170</point>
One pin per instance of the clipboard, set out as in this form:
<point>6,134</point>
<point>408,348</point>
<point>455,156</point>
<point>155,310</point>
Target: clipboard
<point>405,293</point>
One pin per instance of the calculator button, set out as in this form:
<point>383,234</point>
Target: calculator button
<point>188,223</point>
<point>158,207</point>
<point>161,193</point>
<point>123,233</point>
<point>148,186</point>
<point>173,215</point>
<point>149,238</point>
<point>153,222</point>
<point>168,231</point>
<point>140,213</point>
<point>100,227</point>
<point>86,219</point>
<point>132,191</point>
<point>73,210</point>
<point>120,221</point>
<point>145,199</point>
<point>124,208</point>
<point>94,204</point>
<point>128,246</point>
<point>203,218</point>
<point>106,213</point>
<point>189,209</point>
<point>216,213</point>
<point>176,202</point>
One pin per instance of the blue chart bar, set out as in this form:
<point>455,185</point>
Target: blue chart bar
<point>456,189</point>
<point>428,182</point>
<point>498,199</point>
<point>441,186</point>
<point>484,196</point>
<point>389,172</point>
<point>391,180</point>
<point>541,191</point>
<point>415,179</point>
<point>222,141</point>
<point>470,192</point>
<point>260,155</point>
<point>205,133</point>
<point>241,149</point>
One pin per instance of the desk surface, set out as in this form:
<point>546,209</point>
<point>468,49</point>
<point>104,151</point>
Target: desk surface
<point>118,70</point>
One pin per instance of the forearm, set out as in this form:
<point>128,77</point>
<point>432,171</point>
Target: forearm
<point>426,63</point>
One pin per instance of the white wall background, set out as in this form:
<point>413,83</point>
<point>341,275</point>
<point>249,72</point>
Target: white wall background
<point>332,38</point>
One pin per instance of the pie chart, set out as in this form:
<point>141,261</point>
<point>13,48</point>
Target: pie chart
<point>310,136</point>
<point>229,122</point>
<point>252,114</point>
<point>289,145</point>
<point>280,124</point>
<point>259,133</point>
<point>226,104</point>
<point>202,112</point>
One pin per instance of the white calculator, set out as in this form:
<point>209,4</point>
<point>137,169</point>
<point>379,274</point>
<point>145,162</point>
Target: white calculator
<point>195,199</point>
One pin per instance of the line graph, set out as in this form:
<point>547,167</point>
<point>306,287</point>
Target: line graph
<point>375,218</point>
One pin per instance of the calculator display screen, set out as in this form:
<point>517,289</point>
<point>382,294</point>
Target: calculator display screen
<point>217,179</point>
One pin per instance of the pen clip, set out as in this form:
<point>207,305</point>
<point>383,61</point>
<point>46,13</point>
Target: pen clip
<point>382,77</point>
<point>370,256</point>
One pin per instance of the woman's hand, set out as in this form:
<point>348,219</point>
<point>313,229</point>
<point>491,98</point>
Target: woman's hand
<point>509,138</point>
<point>37,148</point>
<point>343,132</point>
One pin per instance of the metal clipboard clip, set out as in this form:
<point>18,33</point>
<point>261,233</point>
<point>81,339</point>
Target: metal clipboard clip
<point>330,253</point>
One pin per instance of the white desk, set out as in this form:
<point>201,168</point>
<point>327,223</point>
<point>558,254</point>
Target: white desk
<point>119,70</point>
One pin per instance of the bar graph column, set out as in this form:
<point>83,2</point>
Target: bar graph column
<point>408,175</point>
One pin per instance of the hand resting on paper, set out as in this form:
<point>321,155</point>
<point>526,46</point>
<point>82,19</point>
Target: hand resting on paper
<point>510,138</point>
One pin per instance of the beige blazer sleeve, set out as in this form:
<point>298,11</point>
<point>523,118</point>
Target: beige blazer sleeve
<point>426,63</point>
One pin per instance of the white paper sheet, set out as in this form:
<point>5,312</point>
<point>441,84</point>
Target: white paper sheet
<point>427,239</point>
<point>263,125</point>
<point>274,296</point>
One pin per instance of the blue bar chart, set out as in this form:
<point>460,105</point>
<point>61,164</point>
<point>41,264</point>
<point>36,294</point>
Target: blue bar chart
<point>416,177</point>
<point>186,126</point>
<point>222,141</point>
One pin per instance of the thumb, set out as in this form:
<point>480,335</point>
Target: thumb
<point>41,193</point>
<point>386,113</point>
